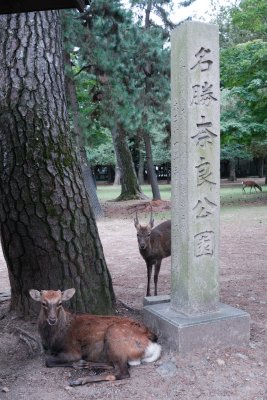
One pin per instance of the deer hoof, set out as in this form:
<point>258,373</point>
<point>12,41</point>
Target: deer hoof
<point>80,364</point>
<point>77,382</point>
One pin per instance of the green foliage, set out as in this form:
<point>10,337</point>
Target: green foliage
<point>102,154</point>
<point>111,86</point>
<point>244,103</point>
<point>241,22</point>
<point>250,18</point>
<point>243,78</point>
<point>245,65</point>
<point>121,70</point>
<point>237,129</point>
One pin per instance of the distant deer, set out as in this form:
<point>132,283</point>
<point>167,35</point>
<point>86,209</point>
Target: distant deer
<point>251,184</point>
<point>90,341</point>
<point>154,245</point>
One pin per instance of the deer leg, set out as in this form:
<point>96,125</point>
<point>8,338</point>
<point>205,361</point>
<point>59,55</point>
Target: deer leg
<point>149,271</point>
<point>121,371</point>
<point>83,364</point>
<point>107,376</point>
<point>156,275</point>
<point>62,360</point>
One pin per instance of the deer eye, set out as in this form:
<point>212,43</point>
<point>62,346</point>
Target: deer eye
<point>59,305</point>
<point>44,304</point>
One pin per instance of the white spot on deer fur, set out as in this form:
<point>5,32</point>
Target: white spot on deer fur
<point>152,352</point>
<point>134,362</point>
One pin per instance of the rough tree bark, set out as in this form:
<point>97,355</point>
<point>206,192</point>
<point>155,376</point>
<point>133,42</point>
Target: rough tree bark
<point>130,188</point>
<point>150,168</point>
<point>49,235</point>
<point>141,180</point>
<point>117,178</point>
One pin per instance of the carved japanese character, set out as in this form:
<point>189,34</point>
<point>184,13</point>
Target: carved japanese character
<point>204,208</point>
<point>203,94</point>
<point>204,243</point>
<point>203,63</point>
<point>204,172</point>
<point>204,135</point>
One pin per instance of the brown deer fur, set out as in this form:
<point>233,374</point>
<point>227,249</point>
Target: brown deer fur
<point>105,342</point>
<point>251,184</point>
<point>154,245</point>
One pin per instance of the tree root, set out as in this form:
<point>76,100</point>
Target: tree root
<point>33,343</point>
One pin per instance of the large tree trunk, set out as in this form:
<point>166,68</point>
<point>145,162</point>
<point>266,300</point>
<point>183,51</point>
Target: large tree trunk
<point>130,188</point>
<point>260,166</point>
<point>48,231</point>
<point>232,170</point>
<point>150,168</point>
<point>149,158</point>
<point>141,164</point>
<point>86,168</point>
<point>117,179</point>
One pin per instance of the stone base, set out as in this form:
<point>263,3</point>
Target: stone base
<point>226,327</point>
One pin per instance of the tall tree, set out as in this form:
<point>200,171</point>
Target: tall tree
<point>99,57</point>
<point>243,79</point>
<point>130,188</point>
<point>48,231</point>
<point>89,181</point>
<point>243,73</point>
<point>148,71</point>
<point>153,62</point>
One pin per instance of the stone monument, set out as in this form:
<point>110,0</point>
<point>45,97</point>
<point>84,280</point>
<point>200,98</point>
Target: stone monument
<point>192,316</point>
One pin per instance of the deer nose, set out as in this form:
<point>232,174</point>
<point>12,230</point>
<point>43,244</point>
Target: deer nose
<point>52,320</point>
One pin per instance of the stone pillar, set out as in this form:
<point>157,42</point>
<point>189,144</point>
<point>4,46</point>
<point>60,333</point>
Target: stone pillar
<point>192,317</point>
<point>195,149</point>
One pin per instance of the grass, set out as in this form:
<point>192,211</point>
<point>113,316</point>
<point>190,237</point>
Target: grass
<point>235,195</point>
<point>110,192</point>
<point>229,195</point>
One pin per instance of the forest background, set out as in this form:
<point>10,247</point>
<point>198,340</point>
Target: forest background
<point>121,71</point>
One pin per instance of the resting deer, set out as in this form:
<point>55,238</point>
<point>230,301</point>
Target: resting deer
<point>154,245</point>
<point>90,341</point>
<point>251,184</point>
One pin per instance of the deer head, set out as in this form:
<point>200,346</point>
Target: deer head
<point>143,231</point>
<point>51,302</point>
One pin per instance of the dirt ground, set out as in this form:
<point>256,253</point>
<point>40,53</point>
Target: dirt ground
<point>238,373</point>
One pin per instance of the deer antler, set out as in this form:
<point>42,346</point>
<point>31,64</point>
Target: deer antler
<point>151,222</point>
<point>136,221</point>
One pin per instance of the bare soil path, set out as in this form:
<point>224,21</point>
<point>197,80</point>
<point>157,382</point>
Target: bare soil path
<point>238,373</point>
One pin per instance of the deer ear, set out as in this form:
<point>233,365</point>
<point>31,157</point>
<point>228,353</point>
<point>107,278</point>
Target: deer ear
<point>67,294</point>
<point>35,294</point>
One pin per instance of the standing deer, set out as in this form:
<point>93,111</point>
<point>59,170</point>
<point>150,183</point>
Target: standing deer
<point>90,341</point>
<point>154,245</point>
<point>251,184</point>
